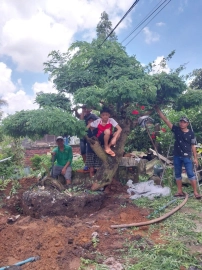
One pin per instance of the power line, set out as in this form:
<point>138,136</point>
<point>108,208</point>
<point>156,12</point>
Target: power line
<point>146,18</point>
<point>148,23</point>
<point>134,4</point>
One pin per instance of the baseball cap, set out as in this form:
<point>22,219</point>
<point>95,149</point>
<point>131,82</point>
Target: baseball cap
<point>59,138</point>
<point>93,117</point>
<point>185,119</point>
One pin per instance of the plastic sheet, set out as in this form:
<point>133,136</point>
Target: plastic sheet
<point>146,189</point>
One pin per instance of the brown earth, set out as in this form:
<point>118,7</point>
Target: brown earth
<point>61,241</point>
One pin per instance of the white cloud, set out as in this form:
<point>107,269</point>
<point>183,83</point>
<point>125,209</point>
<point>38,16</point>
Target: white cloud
<point>160,24</point>
<point>159,65</point>
<point>29,30</point>
<point>182,5</point>
<point>150,36</point>
<point>15,95</point>
<point>46,87</point>
<point>6,85</point>
<point>19,101</point>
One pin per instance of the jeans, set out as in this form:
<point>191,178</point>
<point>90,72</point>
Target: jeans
<point>178,162</point>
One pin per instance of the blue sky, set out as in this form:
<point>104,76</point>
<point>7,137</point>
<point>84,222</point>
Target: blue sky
<point>29,30</point>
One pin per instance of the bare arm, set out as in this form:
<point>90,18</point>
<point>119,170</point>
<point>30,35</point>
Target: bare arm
<point>118,132</point>
<point>193,147</point>
<point>162,116</point>
<point>88,126</point>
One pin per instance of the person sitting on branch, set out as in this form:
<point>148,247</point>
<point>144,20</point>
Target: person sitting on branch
<point>183,148</point>
<point>104,126</point>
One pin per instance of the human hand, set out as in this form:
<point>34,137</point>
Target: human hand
<point>63,171</point>
<point>196,162</point>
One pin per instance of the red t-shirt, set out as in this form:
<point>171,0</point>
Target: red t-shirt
<point>101,128</point>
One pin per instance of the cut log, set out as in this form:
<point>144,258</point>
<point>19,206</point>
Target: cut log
<point>160,156</point>
<point>150,166</point>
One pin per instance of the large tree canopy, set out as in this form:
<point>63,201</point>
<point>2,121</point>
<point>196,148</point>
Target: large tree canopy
<point>99,75</point>
<point>37,123</point>
<point>53,100</point>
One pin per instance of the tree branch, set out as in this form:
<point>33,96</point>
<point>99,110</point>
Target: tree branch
<point>95,145</point>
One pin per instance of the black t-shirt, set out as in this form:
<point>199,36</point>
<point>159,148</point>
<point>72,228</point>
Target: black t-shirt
<point>183,142</point>
<point>90,134</point>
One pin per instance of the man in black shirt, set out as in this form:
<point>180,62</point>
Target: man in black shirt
<point>92,160</point>
<point>85,113</point>
<point>183,148</point>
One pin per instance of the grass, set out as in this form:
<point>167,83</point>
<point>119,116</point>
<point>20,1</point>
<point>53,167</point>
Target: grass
<point>178,234</point>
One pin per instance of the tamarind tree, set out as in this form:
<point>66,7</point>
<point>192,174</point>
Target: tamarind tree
<point>100,75</point>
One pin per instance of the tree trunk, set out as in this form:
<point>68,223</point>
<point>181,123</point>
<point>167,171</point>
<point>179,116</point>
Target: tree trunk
<point>110,164</point>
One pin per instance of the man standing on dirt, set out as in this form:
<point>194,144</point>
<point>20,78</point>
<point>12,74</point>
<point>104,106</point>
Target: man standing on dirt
<point>63,155</point>
<point>183,148</point>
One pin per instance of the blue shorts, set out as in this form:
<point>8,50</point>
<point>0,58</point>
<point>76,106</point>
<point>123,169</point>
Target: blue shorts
<point>178,162</point>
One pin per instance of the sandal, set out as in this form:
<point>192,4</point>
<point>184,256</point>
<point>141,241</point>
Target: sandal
<point>180,195</point>
<point>110,152</point>
<point>198,197</point>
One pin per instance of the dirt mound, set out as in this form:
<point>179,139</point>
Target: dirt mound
<point>39,203</point>
<point>61,241</point>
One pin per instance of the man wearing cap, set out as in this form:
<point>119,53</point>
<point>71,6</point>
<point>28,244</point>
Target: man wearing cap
<point>63,155</point>
<point>184,146</point>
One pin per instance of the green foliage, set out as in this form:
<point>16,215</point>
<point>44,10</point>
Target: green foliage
<point>169,87</point>
<point>104,27</point>
<point>15,186</point>
<point>11,148</point>
<point>77,164</point>
<point>109,75</point>
<point>40,162</point>
<point>138,140</point>
<point>189,100</point>
<point>37,123</point>
<point>35,162</point>
<point>4,183</point>
<point>197,81</point>
<point>53,100</point>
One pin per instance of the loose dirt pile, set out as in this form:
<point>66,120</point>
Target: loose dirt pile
<point>61,241</point>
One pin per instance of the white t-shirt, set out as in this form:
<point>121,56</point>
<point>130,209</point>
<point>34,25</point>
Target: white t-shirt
<point>99,121</point>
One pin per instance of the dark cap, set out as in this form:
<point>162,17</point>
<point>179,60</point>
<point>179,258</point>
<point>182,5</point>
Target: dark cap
<point>59,138</point>
<point>93,117</point>
<point>185,119</point>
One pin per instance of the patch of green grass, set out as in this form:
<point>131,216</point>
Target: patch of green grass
<point>87,265</point>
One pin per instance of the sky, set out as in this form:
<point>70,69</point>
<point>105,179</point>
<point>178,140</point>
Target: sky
<point>30,30</point>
